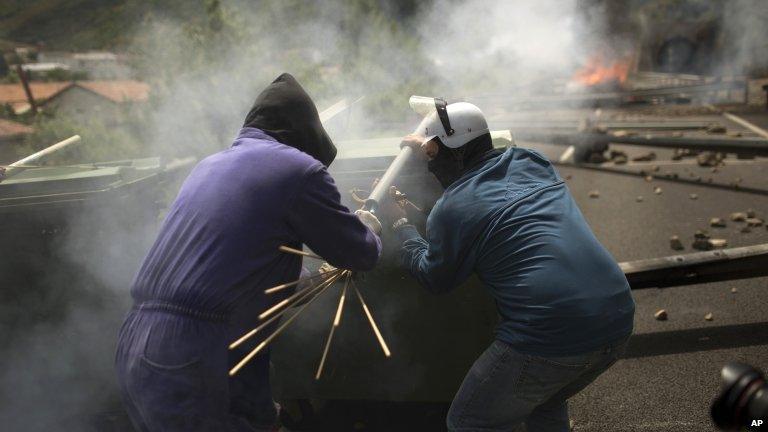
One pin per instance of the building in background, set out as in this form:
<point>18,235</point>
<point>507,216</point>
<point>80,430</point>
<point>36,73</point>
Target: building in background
<point>77,99</point>
<point>106,99</point>
<point>11,135</point>
<point>97,65</point>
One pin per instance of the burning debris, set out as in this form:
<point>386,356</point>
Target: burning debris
<point>599,71</point>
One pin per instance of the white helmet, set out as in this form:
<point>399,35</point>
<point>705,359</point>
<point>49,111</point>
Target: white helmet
<point>455,124</point>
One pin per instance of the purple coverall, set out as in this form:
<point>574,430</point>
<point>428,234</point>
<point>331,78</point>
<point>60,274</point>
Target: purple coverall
<point>202,283</point>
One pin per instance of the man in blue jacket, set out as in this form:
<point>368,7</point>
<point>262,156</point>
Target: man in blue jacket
<point>565,307</point>
<point>202,283</point>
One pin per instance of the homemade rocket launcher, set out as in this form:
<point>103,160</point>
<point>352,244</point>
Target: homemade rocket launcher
<point>323,280</point>
<point>423,106</point>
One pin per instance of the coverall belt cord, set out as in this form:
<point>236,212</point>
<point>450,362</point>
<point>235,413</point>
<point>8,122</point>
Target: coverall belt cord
<point>182,310</point>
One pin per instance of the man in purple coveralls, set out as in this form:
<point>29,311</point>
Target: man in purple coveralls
<point>202,283</point>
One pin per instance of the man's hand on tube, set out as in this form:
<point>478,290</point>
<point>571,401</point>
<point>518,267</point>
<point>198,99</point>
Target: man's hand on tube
<point>370,221</point>
<point>426,149</point>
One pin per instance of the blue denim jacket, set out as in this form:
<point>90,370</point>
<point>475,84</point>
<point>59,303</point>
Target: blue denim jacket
<point>513,221</point>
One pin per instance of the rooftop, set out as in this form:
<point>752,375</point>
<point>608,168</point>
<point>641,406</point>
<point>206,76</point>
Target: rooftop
<point>117,91</point>
<point>12,129</point>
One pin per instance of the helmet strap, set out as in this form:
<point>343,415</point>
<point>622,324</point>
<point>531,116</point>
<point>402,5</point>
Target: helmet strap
<point>442,111</point>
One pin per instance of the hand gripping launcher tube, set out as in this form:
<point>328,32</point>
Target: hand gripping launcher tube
<point>421,105</point>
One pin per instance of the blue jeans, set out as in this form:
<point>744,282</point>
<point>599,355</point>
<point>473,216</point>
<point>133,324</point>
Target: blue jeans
<point>506,389</point>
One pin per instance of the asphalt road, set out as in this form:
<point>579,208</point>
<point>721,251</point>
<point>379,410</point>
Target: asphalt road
<point>671,371</point>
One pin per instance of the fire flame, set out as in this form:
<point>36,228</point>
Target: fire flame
<point>599,71</point>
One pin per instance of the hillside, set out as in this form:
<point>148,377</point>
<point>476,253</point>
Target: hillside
<point>84,24</point>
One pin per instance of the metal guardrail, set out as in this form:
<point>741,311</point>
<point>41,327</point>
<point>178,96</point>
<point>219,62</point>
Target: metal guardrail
<point>699,267</point>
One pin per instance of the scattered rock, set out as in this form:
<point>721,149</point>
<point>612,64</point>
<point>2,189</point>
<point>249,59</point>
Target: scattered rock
<point>675,243</point>
<point>708,159</point>
<point>718,243</point>
<point>596,158</point>
<point>734,134</point>
<point>661,315</point>
<point>738,216</point>
<point>717,222</point>
<point>709,316</point>
<point>568,177</point>
<point>645,157</point>
<point>639,198</point>
<point>701,241</point>
<point>693,196</point>
<point>734,290</point>
<point>594,194</point>
<point>649,178</point>
<point>751,213</point>
<point>681,153</point>
<point>745,229</point>
<point>656,168</point>
<point>618,157</point>
<point>716,128</point>
<point>754,222</point>
<point>677,134</point>
<point>623,133</point>
<point>657,190</point>
<point>714,169</point>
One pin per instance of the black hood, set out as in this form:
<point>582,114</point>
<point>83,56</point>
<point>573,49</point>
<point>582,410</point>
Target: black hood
<point>450,164</point>
<point>286,113</point>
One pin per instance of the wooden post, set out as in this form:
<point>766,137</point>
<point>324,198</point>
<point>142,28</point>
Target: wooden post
<point>25,83</point>
<point>33,159</point>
